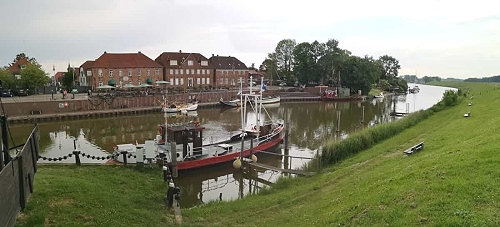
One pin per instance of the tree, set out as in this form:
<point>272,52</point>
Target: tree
<point>283,55</point>
<point>391,67</point>
<point>304,63</point>
<point>6,78</point>
<point>32,77</point>
<point>269,65</point>
<point>23,55</point>
<point>68,79</point>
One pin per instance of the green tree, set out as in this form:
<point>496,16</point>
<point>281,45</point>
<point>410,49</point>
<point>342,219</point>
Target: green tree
<point>283,55</point>
<point>269,65</point>
<point>6,78</point>
<point>303,62</point>
<point>391,67</point>
<point>32,77</point>
<point>68,79</point>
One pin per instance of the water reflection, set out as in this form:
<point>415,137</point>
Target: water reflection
<point>310,125</point>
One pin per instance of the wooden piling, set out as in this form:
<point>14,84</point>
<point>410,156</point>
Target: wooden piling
<point>338,121</point>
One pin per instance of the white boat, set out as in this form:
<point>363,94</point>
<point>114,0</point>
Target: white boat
<point>171,109</point>
<point>381,95</point>
<point>182,145</point>
<point>271,99</point>
<point>189,107</point>
<point>232,103</point>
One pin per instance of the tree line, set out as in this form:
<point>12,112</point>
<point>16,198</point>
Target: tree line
<point>327,64</point>
<point>31,76</point>
<point>494,79</point>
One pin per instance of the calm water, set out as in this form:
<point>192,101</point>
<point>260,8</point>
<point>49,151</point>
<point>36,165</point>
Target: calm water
<point>310,125</point>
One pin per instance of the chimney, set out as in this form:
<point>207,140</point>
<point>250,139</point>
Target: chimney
<point>180,51</point>
<point>212,55</point>
<point>139,52</point>
<point>105,52</point>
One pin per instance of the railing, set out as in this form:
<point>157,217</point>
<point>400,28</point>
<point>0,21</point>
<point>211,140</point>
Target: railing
<point>16,179</point>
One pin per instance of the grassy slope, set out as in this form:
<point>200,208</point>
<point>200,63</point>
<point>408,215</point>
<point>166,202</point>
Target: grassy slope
<point>453,181</point>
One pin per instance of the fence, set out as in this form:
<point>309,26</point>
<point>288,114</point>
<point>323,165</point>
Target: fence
<point>16,179</point>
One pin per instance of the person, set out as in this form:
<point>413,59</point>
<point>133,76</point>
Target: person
<point>89,92</point>
<point>64,94</point>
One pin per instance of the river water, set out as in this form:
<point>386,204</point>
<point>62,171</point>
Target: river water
<point>310,125</point>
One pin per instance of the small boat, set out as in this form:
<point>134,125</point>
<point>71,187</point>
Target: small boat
<point>189,107</point>
<point>182,145</point>
<point>232,103</point>
<point>271,99</point>
<point>381,95</point>
<point>170,109</point>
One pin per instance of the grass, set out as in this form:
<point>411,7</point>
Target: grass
<point>453,181</point>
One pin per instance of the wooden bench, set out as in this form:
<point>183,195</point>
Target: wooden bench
<point>415,148</point>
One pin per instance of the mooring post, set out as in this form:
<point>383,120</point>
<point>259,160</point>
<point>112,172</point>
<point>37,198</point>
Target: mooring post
<point>251,148</point>
<point>173,154</point>
<point>363,114</point>
<point>338,121</point>
<point>5,141</point>
<point>76,153</point>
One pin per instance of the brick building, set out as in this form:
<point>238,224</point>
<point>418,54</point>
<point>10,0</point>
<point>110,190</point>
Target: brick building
<point>228,71</point>
<point>186,70</point>
<point>119,69</point>
<point>16,67</point>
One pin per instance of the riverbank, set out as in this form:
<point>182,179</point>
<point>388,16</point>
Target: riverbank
<point>452,181</point>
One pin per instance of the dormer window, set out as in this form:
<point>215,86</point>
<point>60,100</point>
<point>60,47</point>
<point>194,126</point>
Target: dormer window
<point>190,62</point>
<point>173,62</point>
<point>23,66</point>
<point>204,63</point>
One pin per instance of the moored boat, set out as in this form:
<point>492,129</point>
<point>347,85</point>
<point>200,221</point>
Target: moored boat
<point>183,145</point>
<point>231,103</point>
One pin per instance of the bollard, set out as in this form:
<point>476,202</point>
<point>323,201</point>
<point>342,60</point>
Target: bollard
<point>76,153</point>
<point>124,154</point>
<point>166,174</point>
<point>170,195</point>
<point>77,157</point>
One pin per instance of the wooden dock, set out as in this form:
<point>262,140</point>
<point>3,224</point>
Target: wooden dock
<point>273,168</point>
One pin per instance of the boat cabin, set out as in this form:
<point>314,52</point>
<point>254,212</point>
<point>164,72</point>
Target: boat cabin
<point>188,136</point>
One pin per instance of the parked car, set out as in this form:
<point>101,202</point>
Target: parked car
<point>21,92</point>
<point>7,93</point>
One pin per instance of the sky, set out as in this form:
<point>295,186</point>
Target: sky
<point>429,37</point>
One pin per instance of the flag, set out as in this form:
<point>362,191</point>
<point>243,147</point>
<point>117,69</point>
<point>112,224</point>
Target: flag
<point>263,88</point>
<point>54,68</point>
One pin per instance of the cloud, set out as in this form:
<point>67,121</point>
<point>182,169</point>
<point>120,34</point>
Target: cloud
<point>419,33</point>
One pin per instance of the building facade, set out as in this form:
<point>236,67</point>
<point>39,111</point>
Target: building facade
<point>120,69</point>
<point>16,67</point>
<point>228,72</point>
<point>186,71</point>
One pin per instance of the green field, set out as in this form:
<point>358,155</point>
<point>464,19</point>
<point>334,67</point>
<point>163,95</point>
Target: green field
<point>453,181</point>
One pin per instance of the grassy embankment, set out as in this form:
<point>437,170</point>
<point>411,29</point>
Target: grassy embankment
<point>451,182</point>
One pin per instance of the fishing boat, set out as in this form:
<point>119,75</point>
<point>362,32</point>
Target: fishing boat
<point>231,103</point>
<point>173,108</point>
<point>271,99</point>
<point>182,145</point>
<point>189,107</point>
<point>170,108</point>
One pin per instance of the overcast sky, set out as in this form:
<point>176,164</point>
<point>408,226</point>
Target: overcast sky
<point>428,37</point>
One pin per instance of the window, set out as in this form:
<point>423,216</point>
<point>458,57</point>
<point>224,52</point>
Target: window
<point>203,71</point>
<point>204,63</point>
<point>100,72</point>
<point>120,73</point>
<point>176,81</point>
<point>227,81</point>
<point>221,80</point>
<point>89,72</point>
<point>149,72</point>
<point>139,82</point>
<point>225,72</point>
<point>203,80</point>
<point>190,82</point>
<point>157,72</point>
<point>208,72</point>
<point>110,73</point>
<point>208,80</point>
<point>171,72</point>
<point>182,71</point>
<point>192,71</point>
<point>130,72</point>
<point>176,72</point>
<point>232,82</point>
<point>198,71</point>
<point>182,81</point>
<point>172,81</point>
<point>190,62</point>
<point>198,80</point>
<point>173,62</point>
<point>138,72</point>
<point>101,83</point>
<point>187,71</point>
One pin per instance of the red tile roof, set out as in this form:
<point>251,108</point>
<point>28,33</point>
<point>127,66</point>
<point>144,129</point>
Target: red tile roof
<point>15,68</point>
<point>125,60</point>
<point>87,64</point>
<point>165,57</point>
<point>222,62</point>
